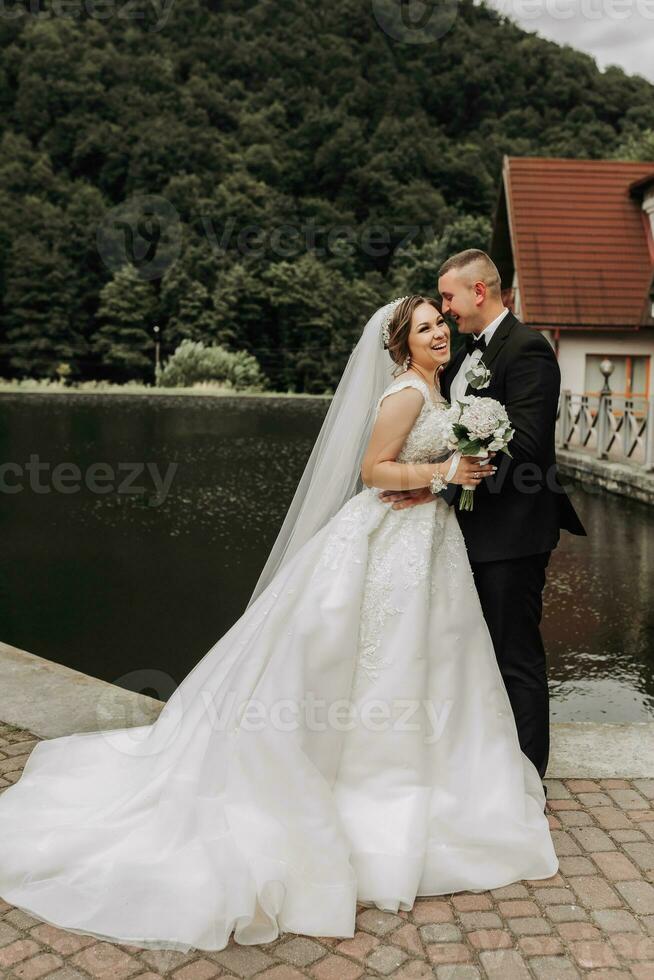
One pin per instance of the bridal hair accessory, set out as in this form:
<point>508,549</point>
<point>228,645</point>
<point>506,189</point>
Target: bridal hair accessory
<point>388,316</point>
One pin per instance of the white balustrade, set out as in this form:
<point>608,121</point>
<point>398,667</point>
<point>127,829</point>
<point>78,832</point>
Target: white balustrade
<point>608,426</point>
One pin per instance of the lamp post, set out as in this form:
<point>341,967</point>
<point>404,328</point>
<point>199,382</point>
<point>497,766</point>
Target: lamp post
<point>606,367</point>
<point>605,401</point>
<point>157,346</point>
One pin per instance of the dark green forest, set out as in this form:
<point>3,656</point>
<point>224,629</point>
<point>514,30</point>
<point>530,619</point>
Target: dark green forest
<point>260,175</point>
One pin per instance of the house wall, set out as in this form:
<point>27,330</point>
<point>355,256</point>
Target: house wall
<point>574,346</point>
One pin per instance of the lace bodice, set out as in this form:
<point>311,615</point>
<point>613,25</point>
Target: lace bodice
<point>427,440</point>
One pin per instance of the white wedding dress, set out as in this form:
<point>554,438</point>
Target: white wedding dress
<point>378,759</point>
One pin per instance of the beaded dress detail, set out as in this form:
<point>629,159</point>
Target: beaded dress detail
<point>350,739</point>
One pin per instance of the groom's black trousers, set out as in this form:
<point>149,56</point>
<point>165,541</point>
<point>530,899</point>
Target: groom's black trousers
<point>511,595</point>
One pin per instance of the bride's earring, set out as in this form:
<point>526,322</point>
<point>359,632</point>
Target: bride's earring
<point>407,362</point>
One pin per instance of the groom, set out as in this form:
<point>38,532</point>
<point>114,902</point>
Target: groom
<point>518,513</point>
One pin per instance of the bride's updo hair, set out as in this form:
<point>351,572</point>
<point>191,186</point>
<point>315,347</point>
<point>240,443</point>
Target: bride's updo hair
<point>400,326</point>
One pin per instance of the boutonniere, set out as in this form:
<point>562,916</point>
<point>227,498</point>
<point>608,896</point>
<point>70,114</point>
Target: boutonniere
<point>479,376</point>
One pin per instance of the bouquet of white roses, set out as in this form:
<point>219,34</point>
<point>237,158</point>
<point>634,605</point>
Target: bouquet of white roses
<point>480,426</point>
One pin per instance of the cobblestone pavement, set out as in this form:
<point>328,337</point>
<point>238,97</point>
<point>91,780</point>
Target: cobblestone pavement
<point>594,918</point>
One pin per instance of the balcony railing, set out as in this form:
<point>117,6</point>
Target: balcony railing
<point>609,427</point>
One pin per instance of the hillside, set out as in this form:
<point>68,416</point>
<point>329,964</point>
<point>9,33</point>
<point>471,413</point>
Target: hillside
<point>284,152</point>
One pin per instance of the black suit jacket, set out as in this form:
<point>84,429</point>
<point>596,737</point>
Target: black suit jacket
<point>521,509</point>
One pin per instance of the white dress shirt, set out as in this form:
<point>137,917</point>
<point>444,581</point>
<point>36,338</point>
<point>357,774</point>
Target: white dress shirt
<point>459,383</point>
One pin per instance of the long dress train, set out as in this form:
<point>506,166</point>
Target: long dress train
<point>350,739</point>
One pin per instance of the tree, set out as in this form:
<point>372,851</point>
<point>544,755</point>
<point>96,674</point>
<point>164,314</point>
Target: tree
<point>126,316</point>
<point>637,146</point>
<point>188,308</point>
<point>37,327</point>
<point>318,317</point>
<point>415,269</point>
<point>242,310</point>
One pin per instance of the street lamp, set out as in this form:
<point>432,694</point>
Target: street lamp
<point>607,367</point>
<point>604,420</point>
<point>157,345</point>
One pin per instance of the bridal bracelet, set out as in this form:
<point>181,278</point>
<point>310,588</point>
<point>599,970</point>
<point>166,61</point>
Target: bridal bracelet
<point>439,482</point>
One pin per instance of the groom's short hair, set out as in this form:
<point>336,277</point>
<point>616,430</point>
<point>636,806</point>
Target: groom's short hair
<point>478,263</point>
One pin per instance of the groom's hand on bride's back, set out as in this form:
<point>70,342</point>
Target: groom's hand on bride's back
<point>406,498</point>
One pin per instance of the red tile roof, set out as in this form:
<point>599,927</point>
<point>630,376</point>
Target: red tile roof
<point>578,240</point>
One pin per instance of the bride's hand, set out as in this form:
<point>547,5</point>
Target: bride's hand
<point>470,471</point>
<point>406,498</point>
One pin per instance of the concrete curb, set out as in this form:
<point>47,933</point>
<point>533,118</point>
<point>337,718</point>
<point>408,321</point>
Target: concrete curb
<point>601,751</point>
<point>50,700</point>
<point>624,479</point>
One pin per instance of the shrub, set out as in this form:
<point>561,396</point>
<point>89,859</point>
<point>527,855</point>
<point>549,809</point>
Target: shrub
<point>63,371</point>
<point>193,363</point>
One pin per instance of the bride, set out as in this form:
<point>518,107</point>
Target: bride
<point>348,740</point>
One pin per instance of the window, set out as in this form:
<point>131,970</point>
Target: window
<point>630,378</point>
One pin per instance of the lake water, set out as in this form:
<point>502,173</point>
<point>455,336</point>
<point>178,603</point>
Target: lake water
<point>136,589</point>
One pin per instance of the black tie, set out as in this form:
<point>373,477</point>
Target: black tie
<point>475,343</point>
